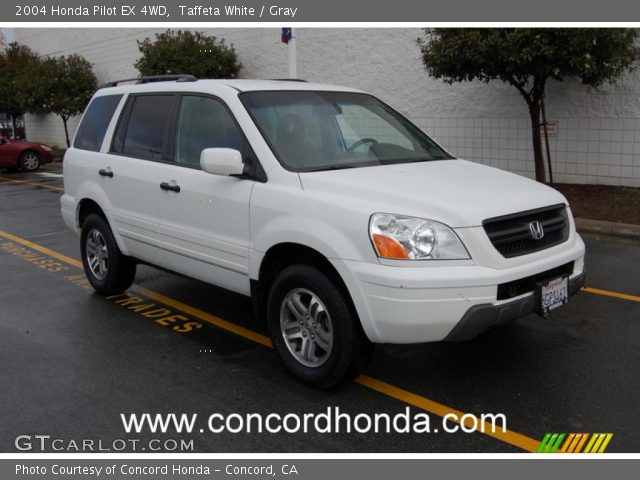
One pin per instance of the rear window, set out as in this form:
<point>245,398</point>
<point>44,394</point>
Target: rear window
<point>95,122</point>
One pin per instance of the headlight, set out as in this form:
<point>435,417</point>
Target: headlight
<point>409,238</point>
<point>45,147</point>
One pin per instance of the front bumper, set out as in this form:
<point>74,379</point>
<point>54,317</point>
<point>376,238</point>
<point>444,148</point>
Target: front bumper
<point>46,156</point>
<point>480,318</point>
<point>432,302</point>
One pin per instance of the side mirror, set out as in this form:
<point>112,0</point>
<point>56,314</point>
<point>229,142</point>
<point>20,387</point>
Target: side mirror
<point>221,161</point>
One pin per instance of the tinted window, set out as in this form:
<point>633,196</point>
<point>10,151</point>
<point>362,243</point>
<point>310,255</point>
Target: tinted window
<point>147,126</point>
<point>204,123</point>
<point>95,122</point>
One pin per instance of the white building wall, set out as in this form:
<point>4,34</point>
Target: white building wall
<point>598,139</point>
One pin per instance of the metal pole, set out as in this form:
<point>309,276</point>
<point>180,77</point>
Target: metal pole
<point>293,59</point>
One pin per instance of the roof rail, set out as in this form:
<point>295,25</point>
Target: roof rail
<point>287,80</point>
<point>152,78</point>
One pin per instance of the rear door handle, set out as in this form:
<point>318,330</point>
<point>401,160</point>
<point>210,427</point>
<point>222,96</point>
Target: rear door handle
<point>105,172</point>
<point>168,186</point>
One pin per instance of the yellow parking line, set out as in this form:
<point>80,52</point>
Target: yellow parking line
<point>207,317</point>
<point>41,249</point>
<point>455,416</point>
<point>35,184</point>
<point>609,293</point>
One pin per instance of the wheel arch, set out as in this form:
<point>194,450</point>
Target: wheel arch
<point>85,207</point>
<point>27,150</point>
<point>282,255</point>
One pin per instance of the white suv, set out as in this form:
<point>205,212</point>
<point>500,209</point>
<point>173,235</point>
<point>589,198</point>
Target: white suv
<point>343,221</point>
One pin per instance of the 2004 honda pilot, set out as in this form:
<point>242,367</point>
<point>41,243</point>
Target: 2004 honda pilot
<point>345,223</point>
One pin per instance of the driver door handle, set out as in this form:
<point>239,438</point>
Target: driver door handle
<point>168,186</point>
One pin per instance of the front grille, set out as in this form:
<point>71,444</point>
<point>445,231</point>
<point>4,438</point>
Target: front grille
<point>511,234</point>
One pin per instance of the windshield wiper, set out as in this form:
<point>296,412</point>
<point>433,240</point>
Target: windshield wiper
<point>333,167</point>
<point>406,160</point>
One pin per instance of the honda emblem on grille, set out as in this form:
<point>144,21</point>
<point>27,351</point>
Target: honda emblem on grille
<point>537,232</point>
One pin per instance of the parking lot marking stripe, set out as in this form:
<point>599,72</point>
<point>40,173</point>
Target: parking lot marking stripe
<point>41,249</point>
<point>207,317</point>
<point>609,293</point>
<point>423,403</point>
<point>24,182</point>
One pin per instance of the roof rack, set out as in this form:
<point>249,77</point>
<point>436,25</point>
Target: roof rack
<point>152,78</point>
<point>287,80</point>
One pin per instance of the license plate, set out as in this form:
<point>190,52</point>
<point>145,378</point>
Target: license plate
<point>554,294</point>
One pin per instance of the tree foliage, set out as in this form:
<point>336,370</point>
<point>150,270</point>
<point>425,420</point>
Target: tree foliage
<point>527,58</point>
<point>60,85</point>
<point>16,61</point>
<point>178,52</point>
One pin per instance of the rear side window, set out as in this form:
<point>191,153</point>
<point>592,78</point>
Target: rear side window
<point>95,122</point>
<point>144,133</point>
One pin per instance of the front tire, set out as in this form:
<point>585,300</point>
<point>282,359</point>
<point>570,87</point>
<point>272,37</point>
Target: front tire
<point>29,161</point>
<point>314,329</point>
<point>106,268</point>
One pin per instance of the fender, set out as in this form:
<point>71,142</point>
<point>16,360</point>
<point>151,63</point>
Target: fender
<point>314,234</point>
<point>323,237</point>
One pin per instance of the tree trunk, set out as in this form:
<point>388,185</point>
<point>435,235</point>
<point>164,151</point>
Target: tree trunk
<point>546,140</point>
<point>66,131</point>
<point>534,113</point>
<point>13,124</point>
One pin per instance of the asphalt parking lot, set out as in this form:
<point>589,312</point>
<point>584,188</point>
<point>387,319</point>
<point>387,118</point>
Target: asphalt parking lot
<point>73,361</point>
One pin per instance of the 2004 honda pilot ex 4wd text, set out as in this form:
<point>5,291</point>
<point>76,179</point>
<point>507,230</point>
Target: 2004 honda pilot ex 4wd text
<point>343,221</point>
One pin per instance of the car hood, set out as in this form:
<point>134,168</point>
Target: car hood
<point>456,192</point>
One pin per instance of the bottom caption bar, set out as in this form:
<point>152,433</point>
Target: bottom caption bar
<point>324,468</point>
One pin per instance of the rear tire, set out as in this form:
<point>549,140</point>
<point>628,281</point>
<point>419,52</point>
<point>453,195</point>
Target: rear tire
<point>314,329</point>
<point>29,161</point>
<point>106,268</point>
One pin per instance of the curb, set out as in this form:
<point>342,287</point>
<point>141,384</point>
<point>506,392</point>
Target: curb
<point>623,230</point>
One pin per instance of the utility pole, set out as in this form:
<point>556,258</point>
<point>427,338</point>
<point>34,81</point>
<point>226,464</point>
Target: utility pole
<point>293,57</point>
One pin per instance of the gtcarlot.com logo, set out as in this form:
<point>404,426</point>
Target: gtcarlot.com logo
<point>47,443</point>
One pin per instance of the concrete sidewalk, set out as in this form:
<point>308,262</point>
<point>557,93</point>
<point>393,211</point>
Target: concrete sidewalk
<point>623,230</point>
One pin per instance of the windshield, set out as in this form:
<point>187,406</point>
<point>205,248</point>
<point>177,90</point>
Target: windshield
<point>312,131</point>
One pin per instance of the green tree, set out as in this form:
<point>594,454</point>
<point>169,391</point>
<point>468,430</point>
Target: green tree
<point>177,52</point>
<point>16,62</point>
<point>62,86</point>
<point>527,58</point>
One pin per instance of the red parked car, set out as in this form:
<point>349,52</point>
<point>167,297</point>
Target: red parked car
<point>23,155</point>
